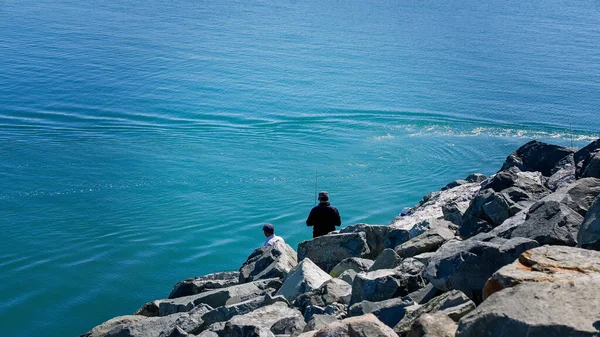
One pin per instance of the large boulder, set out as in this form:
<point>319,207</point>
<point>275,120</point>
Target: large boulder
<point>319,321</point>
<point>466,265</point>
<point>537,309</point>
<point>557,264</point>
<point>429,241</point>
<point>589,232</point>
<point>102,329</point>
<point>305,277</point>
<point>268,262</point>
<point>578,196</point>
<point>384,284</point>
<point>550,222</point>
<point>360,326</point>
<point>536,156</point>
<point>226,312</point>
<point>199,284</point>
<point>375,236</point>
<point>584,156</point>
<point>354,263</point>
<point>390,312</point>
<point>279,318</point>
<point>332,291</point>
<point>454,304</point>
<point>432,205</point>
<point>220,297</point>
<point>433,325</point>
<point>563,173</point>
<point>593,168</point>
<point>329,250</point>
<point>388,259</point>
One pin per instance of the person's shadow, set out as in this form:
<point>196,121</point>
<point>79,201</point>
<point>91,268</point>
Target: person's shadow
<point>597,325</point>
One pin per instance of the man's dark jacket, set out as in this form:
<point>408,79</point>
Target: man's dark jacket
<point>323,218</point>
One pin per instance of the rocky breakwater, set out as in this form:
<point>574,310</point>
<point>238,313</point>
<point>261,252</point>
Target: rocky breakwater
<point>514,254</point>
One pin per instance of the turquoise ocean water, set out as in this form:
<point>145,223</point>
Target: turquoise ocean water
<point>142,143</point>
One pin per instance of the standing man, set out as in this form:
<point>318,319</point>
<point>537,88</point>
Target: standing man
<point>323,217</point>
<point>271,238</point>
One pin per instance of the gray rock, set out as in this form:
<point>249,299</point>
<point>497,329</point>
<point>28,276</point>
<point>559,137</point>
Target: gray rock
<point>476,178</point>
<point>355,263</point>
<point>384,284</point>
<point>337,309</point>
<point>454,213</point>
<point>466,265</point>
<point>425,294</point>
<point>305,277</point>
<point>433,325</point>
<point>226,312</point>
<point>537,309</point>
<point>319,321</point>
<point>563,173</point>
<point>536,156</point>
<point>199,284</point>
<point>178,332</point>
<point>550,222</point>
<point>507,227</point>
<point>578,196</point>
<point>584,156</point>
<point>390,312</point>
<point>277,317</point>
<point>348,276</point>
<point>102,329</point>
<point>487,210</point>
<point>454,184</point>
<point>593,168</point>
<point>312,310</point>
<point>156,326</point>
<point>388,259</point>
<point>360,326</point>
<point>589,233</point>
<point>329,250</point>
<point>395,237</point>
<point>219,297</point>
<point>268,262</point>
<point>149,309</point>
<point>332,291</point>
<point>375,236</point>
<point>429,241</point>
<point>431,207</point>
<point>454,304</point>
<point>424,257</point>
<point>556,264</point>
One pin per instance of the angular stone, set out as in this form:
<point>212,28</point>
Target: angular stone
<point>319,321</point>
<point>425,294</point>
<point>219,297</point>
<point>305,277</point>
<point>563,173</point>
<point>433,325</point>
<point>226,312</point>
<point>360,326</point>
<point>476,178</point>
<point>277,317</point>
<point>102,329</point>
<point>348,276</point>
<point>578,196</point>
<point>429,241</point>
<point>454,184</point>
<point>584,156</point>
<point>375,236</point>
<point>537,309</point>
<point>388,259</point>
<point>593,168</point>
<point>454,304</point>
<point>395,237</point>
<point>466,265</point>
<point>332,291</point>
<point>384,284</point>
<point>589,233</point>
<point>536,156</point>
<point>550,222</point>
<point>424,257</point>
<point>454,213</point>
<point>329,250</point>
<point>556,264</point>
<point>150,309</point>
<point>390,312</point>
<point>268,262</point>
<point>157,326</point>
<point>199,284</point>
<point>355,263</point>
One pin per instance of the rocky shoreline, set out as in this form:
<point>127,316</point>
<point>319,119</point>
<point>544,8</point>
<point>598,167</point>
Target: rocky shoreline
<point>514,254</point>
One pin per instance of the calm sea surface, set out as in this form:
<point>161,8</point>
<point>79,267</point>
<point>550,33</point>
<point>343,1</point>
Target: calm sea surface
<point>142,143</point>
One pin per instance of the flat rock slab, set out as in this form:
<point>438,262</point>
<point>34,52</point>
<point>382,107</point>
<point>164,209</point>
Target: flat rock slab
<point>388,259</point>
<point>199,284</point>
<point>556,264</point>
<point>433,325</point>
<point>355,263</point>
<point>429,241</point>
<point>219,297</point>
<point>467,265</point>
<point>279,318</point>
<point>305,277</point>
<point>329,250</point>
<point>366,325</point>
<point>383,284</point>
<point>376,237</point>
<point>537,309</point>
<point>390,312</point>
